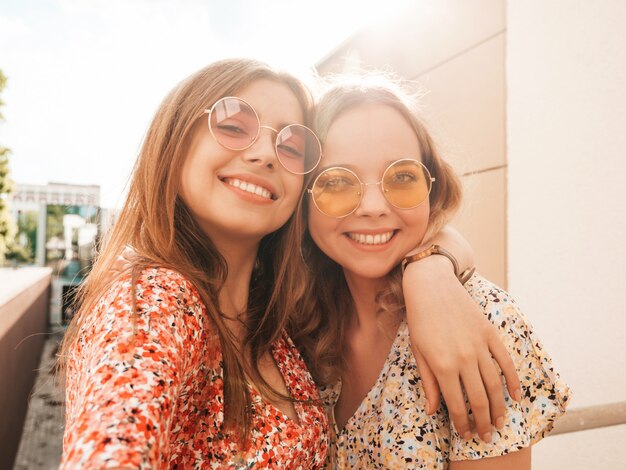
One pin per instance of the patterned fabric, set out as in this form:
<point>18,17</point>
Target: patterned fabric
<point>390,428</point>
<point>147,392</point>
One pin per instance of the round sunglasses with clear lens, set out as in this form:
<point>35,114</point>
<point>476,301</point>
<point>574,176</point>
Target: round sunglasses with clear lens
<point>235,125</point>
<point>337,191</point>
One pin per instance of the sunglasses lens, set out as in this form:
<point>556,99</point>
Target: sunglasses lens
<point>234,123</point>
<point>298,149</point>
<point>336,192</point>
<point>406,184</point>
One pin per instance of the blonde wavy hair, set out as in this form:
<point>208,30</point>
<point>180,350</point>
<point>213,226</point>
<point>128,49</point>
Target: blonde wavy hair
<point>318,327</point>
<point>157,224</point>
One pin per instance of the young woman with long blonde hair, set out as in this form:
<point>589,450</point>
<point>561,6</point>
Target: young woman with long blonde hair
<point>382,189</point>
<point>183,361</point>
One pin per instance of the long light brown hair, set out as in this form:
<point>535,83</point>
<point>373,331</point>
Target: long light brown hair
<point>160,228</point>
<point>318,327</point>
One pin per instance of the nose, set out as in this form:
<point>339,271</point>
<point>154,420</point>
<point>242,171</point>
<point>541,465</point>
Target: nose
<point>262,151</point>
<point>373,203</point>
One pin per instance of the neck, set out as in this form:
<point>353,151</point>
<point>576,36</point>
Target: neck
<point>364,291</point>
<point>240,258</point>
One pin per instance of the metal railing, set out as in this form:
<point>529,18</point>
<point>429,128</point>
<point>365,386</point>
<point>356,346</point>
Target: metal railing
<point>591,417</point>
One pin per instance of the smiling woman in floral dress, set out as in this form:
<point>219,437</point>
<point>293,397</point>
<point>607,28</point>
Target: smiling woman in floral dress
<point>381,190</point>
<point>184,361</point>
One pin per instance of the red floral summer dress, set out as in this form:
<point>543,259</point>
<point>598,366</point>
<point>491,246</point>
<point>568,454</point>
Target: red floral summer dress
<point>146,390</point>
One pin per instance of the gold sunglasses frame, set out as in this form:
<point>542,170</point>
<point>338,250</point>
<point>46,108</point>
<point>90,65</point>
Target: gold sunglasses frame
<point>378,183</point>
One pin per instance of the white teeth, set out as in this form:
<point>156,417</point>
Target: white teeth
<point>368,239</point>
<point>249,187</point>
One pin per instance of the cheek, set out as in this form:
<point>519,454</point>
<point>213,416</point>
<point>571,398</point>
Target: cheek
<point>185,183</point>
<point>418,220</point>
<point>193,178</point>
<point>318,226</point>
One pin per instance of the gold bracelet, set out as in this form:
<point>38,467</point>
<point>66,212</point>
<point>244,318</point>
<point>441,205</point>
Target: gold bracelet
<point>438,250</point>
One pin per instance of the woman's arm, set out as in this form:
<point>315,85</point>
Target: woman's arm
<point>518,460</point>
<point>454,344</point>
<point>124,372</point>
<point>544,396</point>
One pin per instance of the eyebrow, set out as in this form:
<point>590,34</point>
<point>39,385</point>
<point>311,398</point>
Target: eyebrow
<point>353,168</point>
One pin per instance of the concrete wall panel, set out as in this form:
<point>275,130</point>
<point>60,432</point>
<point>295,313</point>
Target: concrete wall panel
<point>24,300</point>
<point>481,221</point>
<point>465,106</point>
<point>422,36</point>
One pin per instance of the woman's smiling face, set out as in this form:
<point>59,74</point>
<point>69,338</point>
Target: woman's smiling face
<point>243,194</point>
<point>375,237</point>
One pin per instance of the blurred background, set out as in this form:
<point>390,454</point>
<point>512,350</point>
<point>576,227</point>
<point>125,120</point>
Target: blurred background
<point>525,98</point>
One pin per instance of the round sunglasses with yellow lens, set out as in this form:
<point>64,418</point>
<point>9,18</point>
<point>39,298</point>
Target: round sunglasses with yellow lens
<point>338,191</point>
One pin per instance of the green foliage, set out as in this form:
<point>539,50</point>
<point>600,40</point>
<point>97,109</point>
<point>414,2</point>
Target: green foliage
<point>54,220</point>
<point>3,83</point>
<point>25,248</point>
<point>8,229</point>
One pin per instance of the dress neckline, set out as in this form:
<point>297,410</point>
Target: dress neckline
<point>283,343</point>
<point>377,384</point>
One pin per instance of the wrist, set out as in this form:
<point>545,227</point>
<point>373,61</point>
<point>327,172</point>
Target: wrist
<point>434,269</point>
<point>420,259</point>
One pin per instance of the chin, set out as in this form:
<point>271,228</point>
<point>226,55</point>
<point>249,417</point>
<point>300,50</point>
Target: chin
<point>373,273</point>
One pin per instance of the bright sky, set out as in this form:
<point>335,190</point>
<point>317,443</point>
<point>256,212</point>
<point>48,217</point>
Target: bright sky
<point>85,76</point>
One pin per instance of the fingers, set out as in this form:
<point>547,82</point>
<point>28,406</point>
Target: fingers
<point>503,358</point>
<point>128,253</point>
<point>479,402</point>
<point>119,264</point>
<point>495,391</point>
<point>457,409</point>
<point>429,382</point>
<point>124,260</point>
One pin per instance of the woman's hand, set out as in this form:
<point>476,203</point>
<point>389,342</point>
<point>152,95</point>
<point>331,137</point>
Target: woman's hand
<point>455,347</point>
<point>121,263</point>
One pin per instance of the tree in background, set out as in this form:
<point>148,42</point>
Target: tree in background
<point>24,249</point>
<point>7,224</point>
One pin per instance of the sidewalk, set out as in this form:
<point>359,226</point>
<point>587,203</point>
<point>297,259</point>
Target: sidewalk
<point>42,436</point>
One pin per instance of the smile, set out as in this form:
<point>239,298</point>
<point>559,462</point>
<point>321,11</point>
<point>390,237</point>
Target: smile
<point>370,239</point>
<point>249,187</point>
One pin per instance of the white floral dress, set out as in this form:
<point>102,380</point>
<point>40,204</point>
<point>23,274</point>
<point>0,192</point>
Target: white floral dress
<point>390,428</point>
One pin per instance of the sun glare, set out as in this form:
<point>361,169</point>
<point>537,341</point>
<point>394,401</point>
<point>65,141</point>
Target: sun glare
<point>121,57</point>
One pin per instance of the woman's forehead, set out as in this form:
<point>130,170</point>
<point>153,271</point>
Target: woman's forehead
<point>273,101</point>
<point>370,133</point>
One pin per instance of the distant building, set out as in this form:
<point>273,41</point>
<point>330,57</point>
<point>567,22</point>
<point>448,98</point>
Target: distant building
<point>60,224</point>
<point>30,196</point>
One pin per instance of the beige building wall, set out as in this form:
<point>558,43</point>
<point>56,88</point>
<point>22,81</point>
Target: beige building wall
<point>567,179</point>
<point>454,51</point>
<point>566,121</point>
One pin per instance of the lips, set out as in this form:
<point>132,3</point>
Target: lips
<point>250,187</point>
<point>370,238</point>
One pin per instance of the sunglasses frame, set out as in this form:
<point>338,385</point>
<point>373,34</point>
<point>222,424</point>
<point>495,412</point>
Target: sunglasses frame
<point>210,112</point>
<point>380,183</point>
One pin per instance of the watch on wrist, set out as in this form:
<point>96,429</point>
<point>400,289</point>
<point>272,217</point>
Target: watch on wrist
<point>463,277</point>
